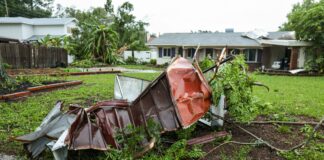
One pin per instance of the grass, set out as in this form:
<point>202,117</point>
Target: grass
<point>288,95</point>
<point>293,95</point>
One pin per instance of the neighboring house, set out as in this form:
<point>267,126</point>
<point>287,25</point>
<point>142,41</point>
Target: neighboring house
<point>32,29</point>
<point>259,50</point>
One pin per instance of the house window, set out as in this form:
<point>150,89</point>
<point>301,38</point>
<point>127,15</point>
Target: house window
<point>191,52</point>
<point>251,55</point>
<point>209,53</point>
<point>166,52</point>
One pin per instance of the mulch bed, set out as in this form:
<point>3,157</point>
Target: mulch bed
<point>38,71</point>
<point>24,86</point>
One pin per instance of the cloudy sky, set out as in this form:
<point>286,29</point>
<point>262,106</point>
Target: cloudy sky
<point>191,15</point>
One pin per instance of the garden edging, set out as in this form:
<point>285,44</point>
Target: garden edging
<point>31,90</point>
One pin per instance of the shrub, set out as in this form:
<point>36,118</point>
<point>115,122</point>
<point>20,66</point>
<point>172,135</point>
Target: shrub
<point>233,82</point>
<point>131,60</point>
<point>315,63</point>
<point>206,63</point>
<point>153,62</point>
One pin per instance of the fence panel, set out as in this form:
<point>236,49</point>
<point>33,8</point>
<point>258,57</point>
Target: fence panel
<point>28,56</point>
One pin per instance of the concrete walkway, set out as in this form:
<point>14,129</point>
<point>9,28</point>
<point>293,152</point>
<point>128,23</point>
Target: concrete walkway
<point>117,68</point>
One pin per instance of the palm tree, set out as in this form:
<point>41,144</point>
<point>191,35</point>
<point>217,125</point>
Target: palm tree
<point>103,44</point>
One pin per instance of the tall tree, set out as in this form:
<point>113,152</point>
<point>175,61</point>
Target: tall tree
<point>131,32</point>
<point>307,19</point>
<point>26,8</point>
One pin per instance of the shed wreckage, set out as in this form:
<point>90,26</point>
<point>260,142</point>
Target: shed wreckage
<point>176,99</point>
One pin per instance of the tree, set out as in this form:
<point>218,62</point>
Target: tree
<point>26,8</point>
<point>103,44</point>
<point>307,20</point>
<point>131,32</point>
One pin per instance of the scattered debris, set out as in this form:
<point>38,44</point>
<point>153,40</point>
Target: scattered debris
<point>178,98</point>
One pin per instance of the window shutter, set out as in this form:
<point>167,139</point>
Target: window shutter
<point>160,52</point>
<point>172,52</point>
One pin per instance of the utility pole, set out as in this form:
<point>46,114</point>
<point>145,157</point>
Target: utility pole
<point>7,13</point>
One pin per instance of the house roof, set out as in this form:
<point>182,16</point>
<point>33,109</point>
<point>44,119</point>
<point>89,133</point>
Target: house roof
<point>234,39</point>
<point>36,21</point>
<point>290,43</point>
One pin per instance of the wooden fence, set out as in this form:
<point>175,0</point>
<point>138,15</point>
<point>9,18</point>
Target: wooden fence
<point>28,56</point>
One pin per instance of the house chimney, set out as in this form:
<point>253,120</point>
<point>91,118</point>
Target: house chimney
<point>229,30</point>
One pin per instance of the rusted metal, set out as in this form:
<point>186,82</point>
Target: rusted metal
<point>190,91</point>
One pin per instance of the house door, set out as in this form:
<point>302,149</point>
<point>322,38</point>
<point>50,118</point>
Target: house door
<point>209,53</point>
<point>286,60</point>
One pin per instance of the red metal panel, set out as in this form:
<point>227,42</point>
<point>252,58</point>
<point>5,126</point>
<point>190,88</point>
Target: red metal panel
<point>189,91</point>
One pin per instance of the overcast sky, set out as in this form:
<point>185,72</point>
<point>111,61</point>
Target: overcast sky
<point>166,16</point>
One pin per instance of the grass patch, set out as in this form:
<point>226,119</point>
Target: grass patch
<point>293,95</point>
<point>71,70</point>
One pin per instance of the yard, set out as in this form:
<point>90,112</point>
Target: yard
<point>288,97</point>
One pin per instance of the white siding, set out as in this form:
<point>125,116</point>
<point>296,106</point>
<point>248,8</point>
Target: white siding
<point>11,31</point>
<point>143,56</point>
<point>163,60</point>
<point>27,31</point>
<point>49,29</point>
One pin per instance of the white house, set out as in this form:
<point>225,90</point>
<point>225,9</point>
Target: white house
<point>26,29</point>
<point>261,51</point>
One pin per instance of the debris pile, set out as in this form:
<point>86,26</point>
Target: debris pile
<point>178,98</point>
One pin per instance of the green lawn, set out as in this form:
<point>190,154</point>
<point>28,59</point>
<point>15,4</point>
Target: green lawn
<point>291,95</point>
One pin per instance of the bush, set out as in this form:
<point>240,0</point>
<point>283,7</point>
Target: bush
<point>315,63</point>
<point>206,63</point>
<point>153,62</point>
<point>131,60</point>
<point>233,82</point>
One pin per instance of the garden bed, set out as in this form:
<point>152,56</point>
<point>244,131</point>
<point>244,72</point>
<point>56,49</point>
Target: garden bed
<point>26,88</point>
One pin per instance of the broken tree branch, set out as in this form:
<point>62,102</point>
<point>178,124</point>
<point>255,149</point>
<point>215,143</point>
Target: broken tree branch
<point>267,143</point>
<point>282,122</point>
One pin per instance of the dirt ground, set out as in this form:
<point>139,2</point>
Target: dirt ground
<point>267,132</point>
<point>34,71</point>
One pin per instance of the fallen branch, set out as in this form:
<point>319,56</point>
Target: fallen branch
<point>235,142</point>
<point>267,143</point>
<point>283,122</point>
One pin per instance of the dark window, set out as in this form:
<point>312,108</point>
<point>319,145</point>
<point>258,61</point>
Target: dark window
<point>172,52</point>
<point>251,55</point>
<point>209,53</point>
<point>167,52</point>
<point>160,52</point>
<point>191,52</point>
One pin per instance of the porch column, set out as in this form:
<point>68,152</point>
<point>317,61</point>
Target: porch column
<point>184,53</point>
<point>293,58</point>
